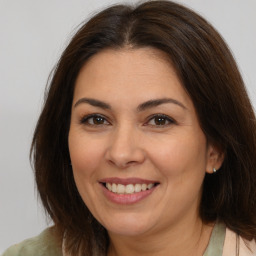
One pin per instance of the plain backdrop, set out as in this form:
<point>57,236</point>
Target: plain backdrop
<point>32,36</point>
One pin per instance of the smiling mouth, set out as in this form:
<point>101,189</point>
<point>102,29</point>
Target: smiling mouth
<point>129,188</point>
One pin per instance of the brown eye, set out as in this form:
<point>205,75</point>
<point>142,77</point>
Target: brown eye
<point>97,120</point>
<point>94,120</point>
<point>160,120</point>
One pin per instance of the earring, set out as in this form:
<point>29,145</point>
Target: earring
<point>214,170</point>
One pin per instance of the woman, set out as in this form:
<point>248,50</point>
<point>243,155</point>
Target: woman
<point>146,143</point>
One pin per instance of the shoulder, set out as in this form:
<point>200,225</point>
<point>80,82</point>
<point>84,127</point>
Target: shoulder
<point>42,245</point>
<point>233,243</point>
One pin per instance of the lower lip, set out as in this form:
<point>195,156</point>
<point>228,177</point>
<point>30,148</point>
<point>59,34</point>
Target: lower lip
<point>126,199</point>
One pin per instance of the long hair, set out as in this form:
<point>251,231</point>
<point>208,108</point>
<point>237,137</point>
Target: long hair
<point>209,75</point>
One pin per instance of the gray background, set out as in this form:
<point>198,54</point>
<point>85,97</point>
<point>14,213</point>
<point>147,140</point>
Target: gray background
<point>32,37</point>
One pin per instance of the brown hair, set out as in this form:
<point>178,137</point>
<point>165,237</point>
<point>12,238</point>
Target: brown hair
<point>210,76</point>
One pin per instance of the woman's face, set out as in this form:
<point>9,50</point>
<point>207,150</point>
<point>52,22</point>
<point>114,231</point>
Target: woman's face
<point>138,153</point>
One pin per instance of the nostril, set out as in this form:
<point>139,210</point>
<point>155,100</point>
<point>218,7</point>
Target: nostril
<point>121,164</point>
<point>131,163</point>
<point>123,155</point>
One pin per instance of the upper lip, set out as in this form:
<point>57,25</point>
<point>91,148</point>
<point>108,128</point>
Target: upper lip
<point>126,181</point>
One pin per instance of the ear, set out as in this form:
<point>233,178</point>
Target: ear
<point>215,158</point>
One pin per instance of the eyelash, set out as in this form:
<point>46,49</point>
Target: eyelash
<point>163,117</point>
<point>85,120</point>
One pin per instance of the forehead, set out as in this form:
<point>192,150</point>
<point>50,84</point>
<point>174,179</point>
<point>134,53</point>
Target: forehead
<point>138,74</point>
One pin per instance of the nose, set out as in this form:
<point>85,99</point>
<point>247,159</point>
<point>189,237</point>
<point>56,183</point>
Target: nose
<point>125,148</point>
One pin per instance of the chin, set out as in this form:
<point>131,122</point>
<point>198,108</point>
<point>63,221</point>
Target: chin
<point>127,226</point>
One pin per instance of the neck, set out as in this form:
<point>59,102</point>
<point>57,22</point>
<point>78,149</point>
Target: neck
<point>180,240</point>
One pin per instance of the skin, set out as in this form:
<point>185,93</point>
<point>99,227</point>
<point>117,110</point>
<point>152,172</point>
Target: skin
<point>128,142</point>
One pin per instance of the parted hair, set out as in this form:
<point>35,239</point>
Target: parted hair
<point>208,73</point>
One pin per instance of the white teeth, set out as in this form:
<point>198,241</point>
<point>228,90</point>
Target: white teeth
<point>150,186</point>
<point>137,187</point>
<point>114,188</point>
<point>109,187</point>
<point>128,189</point>
<point>144,187</point>
<point>120,188</point>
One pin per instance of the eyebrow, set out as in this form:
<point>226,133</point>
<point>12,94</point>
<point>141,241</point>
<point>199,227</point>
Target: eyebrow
<point>145,105</point>
<point>93,102</point>
<point>157,102</point>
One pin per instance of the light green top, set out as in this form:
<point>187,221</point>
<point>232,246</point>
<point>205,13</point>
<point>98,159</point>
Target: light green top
<point>41,245</point>
<point>216,243</point>
<point>45,244</point>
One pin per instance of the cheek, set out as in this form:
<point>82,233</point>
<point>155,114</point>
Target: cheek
<point>85,154</point>
<point>182,164</point>
<point>181,155</point>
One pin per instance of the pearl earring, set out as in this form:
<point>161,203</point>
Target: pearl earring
<point>214,170</point>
